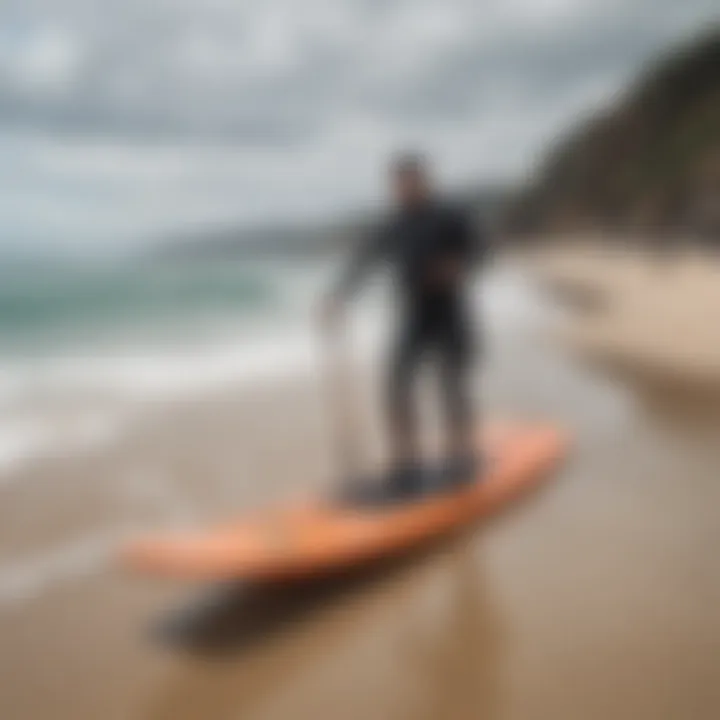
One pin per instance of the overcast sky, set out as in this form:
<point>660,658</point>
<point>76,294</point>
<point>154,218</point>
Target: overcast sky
<point>121,120</point>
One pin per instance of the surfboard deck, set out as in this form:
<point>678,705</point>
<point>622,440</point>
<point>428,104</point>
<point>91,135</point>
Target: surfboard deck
<point>311,540</point>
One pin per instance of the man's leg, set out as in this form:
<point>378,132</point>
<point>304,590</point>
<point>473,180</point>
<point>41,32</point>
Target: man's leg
<point>455,365</point>
<point>401,410</point>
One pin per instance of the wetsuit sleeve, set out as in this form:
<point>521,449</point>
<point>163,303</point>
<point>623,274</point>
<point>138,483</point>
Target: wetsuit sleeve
<point>369,252</point>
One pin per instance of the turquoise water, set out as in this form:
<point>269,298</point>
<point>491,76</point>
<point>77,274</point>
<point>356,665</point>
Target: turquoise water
<point>54,307</point>
<point>87,348</point>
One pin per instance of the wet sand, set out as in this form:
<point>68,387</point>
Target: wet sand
<point>598,597</point>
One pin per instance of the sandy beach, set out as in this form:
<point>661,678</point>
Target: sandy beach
<point>640,312</point>
<point>597,598</point>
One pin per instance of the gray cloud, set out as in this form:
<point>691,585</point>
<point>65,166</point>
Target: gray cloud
<point>260,73</point>
<point>293,94</point>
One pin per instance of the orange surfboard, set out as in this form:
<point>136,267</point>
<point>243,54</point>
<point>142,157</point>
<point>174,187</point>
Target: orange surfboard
<point>300,542</point>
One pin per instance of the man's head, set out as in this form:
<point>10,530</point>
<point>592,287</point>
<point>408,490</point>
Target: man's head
<point>410,179</point>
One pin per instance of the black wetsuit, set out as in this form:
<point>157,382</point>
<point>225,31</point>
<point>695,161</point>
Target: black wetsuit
<point>435,317</point>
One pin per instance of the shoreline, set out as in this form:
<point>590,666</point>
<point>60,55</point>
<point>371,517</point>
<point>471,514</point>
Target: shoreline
<point>633,313</point>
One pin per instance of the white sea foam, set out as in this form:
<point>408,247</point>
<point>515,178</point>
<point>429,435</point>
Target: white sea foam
<point>65,405</point>
<point>23,439</point>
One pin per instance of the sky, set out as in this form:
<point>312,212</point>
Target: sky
<point>124,121</point>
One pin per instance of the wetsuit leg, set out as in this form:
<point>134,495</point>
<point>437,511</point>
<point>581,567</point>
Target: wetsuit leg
<point>455,351</point>
<point>402,414</point>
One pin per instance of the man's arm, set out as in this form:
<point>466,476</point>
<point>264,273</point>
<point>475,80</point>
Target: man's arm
<point>365,257</point>
<point>363,260</point>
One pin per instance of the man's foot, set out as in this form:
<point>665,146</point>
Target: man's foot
<point>459,470</point>
<point>401,483</point>
<point>406,482</point>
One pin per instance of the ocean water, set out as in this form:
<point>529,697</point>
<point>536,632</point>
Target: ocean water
<point>85,348</point>
<point>49,308</point>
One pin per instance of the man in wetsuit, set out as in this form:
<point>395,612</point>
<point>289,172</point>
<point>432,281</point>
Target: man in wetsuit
<point>432,249</point>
